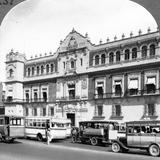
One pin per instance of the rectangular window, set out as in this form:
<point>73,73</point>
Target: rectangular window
<point>133,86</point>
<point>44,96</point>
<point>100,110</point>
<point>64,65</point>
<point>81,62</point>
<point>100,89</point>
<point>35,111</point>
<point>151,85</point>
<point>27,97</point>
<point>116,110</point>
<point>150,110</point>
<point>71,91</point>
<point>44,111</point>
<point>118,87</point>
<point>27,112</point>
<point>52,111</point>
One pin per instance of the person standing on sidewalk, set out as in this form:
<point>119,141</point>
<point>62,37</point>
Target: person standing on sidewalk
<point>48,135</point>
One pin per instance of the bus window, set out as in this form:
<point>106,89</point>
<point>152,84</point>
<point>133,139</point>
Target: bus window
<point>1,121</point>
<point>130,129</point>
<point>30,123</point>
<point>122,127</point>
<point>18,122</point>
<point>43,124</point>
<point>14,121</point>
<point>34,124</point>
<point>38,124</point>
<point>22,121</point>
<point>6,120</point>
<point>59,125</point>
<point>137,129</point>
<point>53,124</point>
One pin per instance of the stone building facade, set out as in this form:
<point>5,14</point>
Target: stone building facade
<point>117,80</point>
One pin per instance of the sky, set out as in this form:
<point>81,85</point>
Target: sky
<point>36,27</point>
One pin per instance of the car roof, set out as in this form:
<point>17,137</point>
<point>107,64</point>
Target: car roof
<point>144,122</point>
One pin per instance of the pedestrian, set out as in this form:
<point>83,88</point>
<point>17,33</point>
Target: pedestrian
<point>48,136</point>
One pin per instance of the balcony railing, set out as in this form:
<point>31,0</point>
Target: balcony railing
<point>14,100</point>
<point>68,98</point>
<point>35,100</point>
<point>128,93</point>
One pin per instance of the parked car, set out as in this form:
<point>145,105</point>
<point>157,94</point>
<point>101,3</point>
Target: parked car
<point>140,134</point>
<point>95,132</point>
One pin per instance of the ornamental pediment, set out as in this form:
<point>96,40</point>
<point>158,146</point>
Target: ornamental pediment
<point>74,40</point>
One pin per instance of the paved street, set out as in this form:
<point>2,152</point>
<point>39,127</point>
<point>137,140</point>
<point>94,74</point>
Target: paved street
<point>63,150</point>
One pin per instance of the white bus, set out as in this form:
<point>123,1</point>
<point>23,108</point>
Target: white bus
<point>67,124</point>
<point>35,127</point>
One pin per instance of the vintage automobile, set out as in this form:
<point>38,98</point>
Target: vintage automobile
<point>95,132</point>
<point>143,135</point>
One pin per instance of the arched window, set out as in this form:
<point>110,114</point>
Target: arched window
<point>29,71</point>
<point>72,64</point>
<point>11,73</point>
<point>42,69</point>
<point>118,56</point>
<point>97,60</point>
<point>32,70</point>
<point>126,54</point>
<point>152,50</point>
<point>144,51</point>
<point>134,53</point>
<point>52,67</point>
<point>103,60</point>
<point>111,57</point>
<point>37,70</point>
<point>47,68</point>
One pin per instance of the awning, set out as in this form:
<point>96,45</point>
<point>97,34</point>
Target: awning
<point>151,80</point>
<point>119,82</point>
<point>133,84</point>
<point>100,84</point>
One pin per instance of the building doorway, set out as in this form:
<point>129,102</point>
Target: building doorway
<point>71,116</point>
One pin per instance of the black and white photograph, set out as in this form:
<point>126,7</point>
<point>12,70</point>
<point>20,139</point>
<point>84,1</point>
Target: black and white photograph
<point>79,79</point>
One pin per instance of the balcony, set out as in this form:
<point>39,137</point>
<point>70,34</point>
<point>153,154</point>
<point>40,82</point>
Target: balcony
<point>128,93</point>
<point>69,98</point>
<point>35,100</point>
<point>12,100</point>
<point>107,95</point>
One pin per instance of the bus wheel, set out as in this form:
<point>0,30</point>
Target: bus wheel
<point>154,150</point>
<point>116,147</point>
<point>74,139</point>
<point>94,141</point>
<point>39,137</point>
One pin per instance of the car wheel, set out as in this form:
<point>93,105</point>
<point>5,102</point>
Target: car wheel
<point>94,141</point>
<point>39,137</point>
<point>116,147</point>
<point>11,140</point>
<point>154,150</point>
